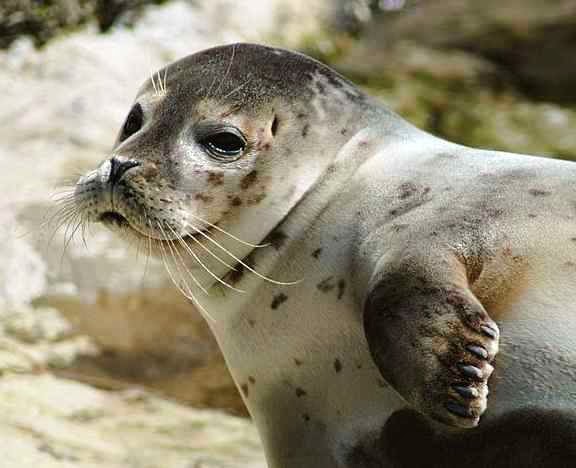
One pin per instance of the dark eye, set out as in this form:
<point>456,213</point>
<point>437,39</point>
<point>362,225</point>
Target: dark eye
<point>133,122</point>
<point>225,146</point>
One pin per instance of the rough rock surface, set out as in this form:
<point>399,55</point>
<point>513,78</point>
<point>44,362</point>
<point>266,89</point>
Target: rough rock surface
<point>51,422</point>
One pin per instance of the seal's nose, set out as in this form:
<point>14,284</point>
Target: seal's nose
<point>118,166</point>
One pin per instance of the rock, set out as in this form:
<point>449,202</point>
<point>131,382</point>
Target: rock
<point>533,42</point>
<point>56,423</point>
<point>42,21</point>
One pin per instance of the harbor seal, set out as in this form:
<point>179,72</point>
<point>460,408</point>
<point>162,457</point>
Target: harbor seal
<point>349,264</point>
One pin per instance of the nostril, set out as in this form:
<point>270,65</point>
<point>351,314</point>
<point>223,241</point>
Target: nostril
<point>119,166</point>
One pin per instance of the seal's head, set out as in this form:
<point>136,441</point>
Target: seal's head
<point>230,137</point>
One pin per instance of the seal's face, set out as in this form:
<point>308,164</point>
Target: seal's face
<point>213,137</point>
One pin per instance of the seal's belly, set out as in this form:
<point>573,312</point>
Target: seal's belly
<point>536,365</point>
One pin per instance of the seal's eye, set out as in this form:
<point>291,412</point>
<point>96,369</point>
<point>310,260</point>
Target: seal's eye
<point>227,145</point>
<point>133,122</point>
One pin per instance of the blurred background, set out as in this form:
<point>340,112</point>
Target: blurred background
<point>102,362</point>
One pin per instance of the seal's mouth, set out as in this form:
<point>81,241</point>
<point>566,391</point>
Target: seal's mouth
<point>114,218</point>
<point>117,220</point>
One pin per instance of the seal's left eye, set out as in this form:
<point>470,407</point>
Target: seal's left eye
<point>224,145</point>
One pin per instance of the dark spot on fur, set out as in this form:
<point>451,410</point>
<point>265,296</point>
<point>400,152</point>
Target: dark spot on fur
<point>343,131</point>
<point>539,192</point>
<point>251,379</point>
<point>249,180</point>
<point>317,253</point>
<point>278,299</point>
<point>531,215</point>
<point>252,322</point>
<point>341,288</point>
<point>276,239</point>
<point>326,285</point>
<point>236,275</point>
<point>573,239</point>
<point>298,362</point>
<point>245,390</point>
<point>256,198</point>
<point>215,178</point>
<point>301,116</point>
<point>570,264</point>
<point>306,417</point>
<point>337,365</point>
<point>305,130</point>
<point>300,392</point>
<point>236,201</point>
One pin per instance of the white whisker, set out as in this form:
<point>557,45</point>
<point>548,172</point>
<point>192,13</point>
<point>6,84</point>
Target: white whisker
<point>154,83</point>
<point>232,236</point>
<point>174,251</point>
<point>235,90</point>
<point>190,295</point>
<point>248,267</point>
<point>191,252</point>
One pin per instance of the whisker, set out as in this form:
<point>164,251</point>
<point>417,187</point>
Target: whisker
<point>189,296</point>
<point>202,246</point>
<point>223,80</point>
<point>149,253</point>
<point>232,236</point>
<point>68,238</point>
<point>189,250</point>
<point>248,267</point>
<point>238,88</point>
<point>64,220</point>
<point>160,84</point>
<point>173,249</point>
<point>153,83</point>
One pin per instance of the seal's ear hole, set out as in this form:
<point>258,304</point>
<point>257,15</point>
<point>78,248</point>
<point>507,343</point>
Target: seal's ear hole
<point>274,127</point>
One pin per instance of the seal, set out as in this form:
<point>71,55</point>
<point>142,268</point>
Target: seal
<point>351,265</point>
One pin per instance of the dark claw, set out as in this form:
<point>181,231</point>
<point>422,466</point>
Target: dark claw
<point>489,331</point>
<point>466,392</point>
<point>457,409</point>
<point>478,351</point>
<point>471,371</point>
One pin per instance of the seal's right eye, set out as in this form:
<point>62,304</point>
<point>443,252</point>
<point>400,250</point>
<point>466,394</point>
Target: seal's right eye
<point>133,122</point>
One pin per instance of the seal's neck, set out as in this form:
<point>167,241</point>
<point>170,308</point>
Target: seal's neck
<point>293,208</point>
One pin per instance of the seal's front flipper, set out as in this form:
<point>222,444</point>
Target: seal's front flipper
<point>430,337</point>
